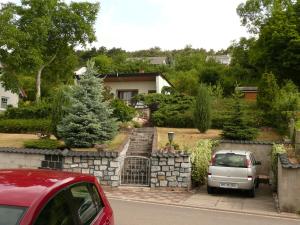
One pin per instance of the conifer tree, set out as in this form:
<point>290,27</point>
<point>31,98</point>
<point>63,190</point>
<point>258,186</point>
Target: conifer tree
<point>88,117</point>
<point>237,126</point>
<point>202,113</point>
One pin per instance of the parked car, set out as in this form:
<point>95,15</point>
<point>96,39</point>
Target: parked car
<point>234,170</point>
<point>47,197</point>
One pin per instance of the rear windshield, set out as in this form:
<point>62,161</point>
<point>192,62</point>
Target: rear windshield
<point>11,215</point>
<point>230,160</point>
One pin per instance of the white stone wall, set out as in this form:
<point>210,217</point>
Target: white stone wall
<point>13,99</point>
<point>15,160</point>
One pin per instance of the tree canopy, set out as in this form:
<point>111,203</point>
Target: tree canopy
<point>38,33</point>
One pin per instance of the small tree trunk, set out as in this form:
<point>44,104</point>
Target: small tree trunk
<point>38,84</point>
<point>39,79</point>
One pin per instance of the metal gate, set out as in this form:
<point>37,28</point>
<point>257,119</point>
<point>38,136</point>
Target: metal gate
<point>136,171</point>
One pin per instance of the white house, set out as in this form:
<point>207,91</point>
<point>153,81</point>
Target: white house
<point>157,60</point>
<point>7,97</point>
<point>223,59</point>
<point>126,85</point>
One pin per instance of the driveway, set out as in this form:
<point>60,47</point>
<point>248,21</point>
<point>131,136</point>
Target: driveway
<point>262,204</point>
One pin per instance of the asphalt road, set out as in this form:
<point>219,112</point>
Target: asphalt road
<point>138,213</point>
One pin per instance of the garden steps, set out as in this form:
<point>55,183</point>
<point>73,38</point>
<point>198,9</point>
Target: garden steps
<point>141,142</point>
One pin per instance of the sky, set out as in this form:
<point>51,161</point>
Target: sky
<point>168,24</point>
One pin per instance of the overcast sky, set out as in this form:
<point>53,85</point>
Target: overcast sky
<point>169,24</point>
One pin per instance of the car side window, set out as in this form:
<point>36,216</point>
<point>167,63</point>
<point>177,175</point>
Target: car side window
<point>98,200</point>
<point>56,211</point>
<point>84,203</point>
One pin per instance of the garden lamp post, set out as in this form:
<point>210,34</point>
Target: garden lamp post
<point>171,136</point>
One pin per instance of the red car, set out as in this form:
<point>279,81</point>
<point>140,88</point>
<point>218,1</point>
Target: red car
<point>46,197</point>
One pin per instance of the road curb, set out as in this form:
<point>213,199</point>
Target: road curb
<point>293,217</point>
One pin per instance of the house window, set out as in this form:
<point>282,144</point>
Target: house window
<point>4,101</point>
<point>127,95</point>
<point>151,91</point>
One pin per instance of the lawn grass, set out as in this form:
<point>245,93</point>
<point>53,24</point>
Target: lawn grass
<point>185,137</point>
<point>15,140</point>
<point>117,142</point>
<point>113,145</point>
<point>269,135</point>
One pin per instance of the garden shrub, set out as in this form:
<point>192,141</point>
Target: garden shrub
<point>121,111</point>
<point>38,111</point>
<point>170,110</point>
<point>43,144</point>
<point>24,125</point>
<point>200,158</point>
<point>276,150</point>
<point>278,105</point>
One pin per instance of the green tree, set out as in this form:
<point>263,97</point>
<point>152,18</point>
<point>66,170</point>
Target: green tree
<point>255,13</point>
<point>267,92</point>
<point>37,33</point>
<point>202,113</point>
<point>237,126</point>
<point>88,118</point>
<point>277,48</point>
<point>60,101</point>
<point>104,64</point>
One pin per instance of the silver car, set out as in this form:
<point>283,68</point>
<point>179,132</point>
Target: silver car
<point>233,169</point>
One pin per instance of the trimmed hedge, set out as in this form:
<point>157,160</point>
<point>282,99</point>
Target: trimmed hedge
<point>38,111</point>
<point>43,144</point>
<point>24,126</point>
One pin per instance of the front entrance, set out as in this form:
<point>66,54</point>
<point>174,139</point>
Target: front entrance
<point>136,171</point>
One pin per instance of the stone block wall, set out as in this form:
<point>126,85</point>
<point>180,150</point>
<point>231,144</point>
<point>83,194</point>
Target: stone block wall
<point>106,169</point>
<point>170,171</point>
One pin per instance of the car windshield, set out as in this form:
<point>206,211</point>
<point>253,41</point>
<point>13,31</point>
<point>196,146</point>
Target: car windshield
<point>11,215</point>
<point>230,160</point>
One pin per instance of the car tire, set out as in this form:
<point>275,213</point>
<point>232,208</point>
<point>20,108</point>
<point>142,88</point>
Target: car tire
<point>210,190</point>
<point>257,183</point>
<point>251,192</point>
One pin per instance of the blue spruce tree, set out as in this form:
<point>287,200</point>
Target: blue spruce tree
<point>88,117</point>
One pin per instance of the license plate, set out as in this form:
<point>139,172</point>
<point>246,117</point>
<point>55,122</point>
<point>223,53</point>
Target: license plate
<point>228,185</point>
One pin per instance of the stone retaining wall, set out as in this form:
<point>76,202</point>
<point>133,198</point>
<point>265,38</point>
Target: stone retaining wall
<point>106,169</point>
<point>288,185</point>
<point>170,170</point>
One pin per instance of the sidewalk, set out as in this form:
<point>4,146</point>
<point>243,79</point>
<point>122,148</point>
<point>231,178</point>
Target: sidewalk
<point>262,204</point>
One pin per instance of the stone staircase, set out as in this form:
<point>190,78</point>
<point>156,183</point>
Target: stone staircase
<point>141,142</point>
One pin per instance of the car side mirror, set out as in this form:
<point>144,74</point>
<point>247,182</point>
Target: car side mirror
<point>258,163</point>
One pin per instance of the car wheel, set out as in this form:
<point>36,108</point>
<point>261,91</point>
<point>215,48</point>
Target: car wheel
<point>257,183</point>
<point>210,190</point>
<point>251,192</point>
